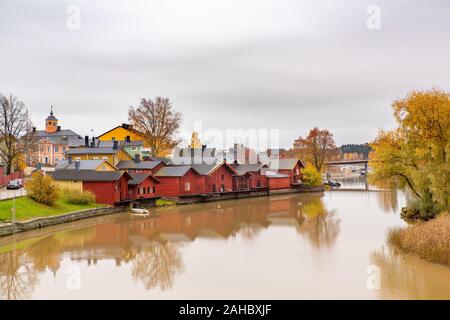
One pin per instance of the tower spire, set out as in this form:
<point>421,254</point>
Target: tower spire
<point>51,110</point>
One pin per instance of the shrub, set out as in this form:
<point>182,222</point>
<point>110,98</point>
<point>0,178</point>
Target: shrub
<point>77,196</point>
<point>429,240</point>
<point>42,189</point>
<point>310,176</point>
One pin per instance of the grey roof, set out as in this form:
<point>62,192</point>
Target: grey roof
<point>109,143</point>
<point>62,132</point>
<point>94,150</point>
<point>86,175</point>
<point>142,165</point>
<point>172,171</point>
<point>166,161</point>
<point>244,168</point>
<point>284,164</point>
<point>138,178</point>
<point>204,169</point>
<point>84,164</point>
<point>270,174</point>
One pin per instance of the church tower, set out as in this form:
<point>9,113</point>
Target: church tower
<point>51,123</point>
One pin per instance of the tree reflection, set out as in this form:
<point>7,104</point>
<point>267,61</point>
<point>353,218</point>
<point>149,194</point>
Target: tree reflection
<point>320,225</point>
<point>45,254</point>
<point>157,264</point>
<point>388,200</point>
<point>409,277</point>
<point>17,278</point>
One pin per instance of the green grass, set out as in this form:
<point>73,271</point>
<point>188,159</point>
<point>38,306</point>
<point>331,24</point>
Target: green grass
<point>27,208</point>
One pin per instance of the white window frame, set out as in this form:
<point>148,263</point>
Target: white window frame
<point>187,186</point>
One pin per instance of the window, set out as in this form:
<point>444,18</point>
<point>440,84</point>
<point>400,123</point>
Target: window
<point>113,138</point>
<point>187,186</point>
<point>297,171</point>
<point>223,177</point>
<point>133,148</point>
<point>105,158</point>
<point>48,149</point>
<point>214,188</point>
<point>222,188</point>
<point>103,168</point>
<point>56,158</point>
<point>64,149</point>
<point>42,149</point>
<point>56,149</point>
<point>154,189</point>
<point>95,158</point>
<point>148,190</point>
<point>77,158</point>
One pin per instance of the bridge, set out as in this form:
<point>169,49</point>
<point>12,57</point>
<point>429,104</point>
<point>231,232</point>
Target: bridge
<point>346,162</point>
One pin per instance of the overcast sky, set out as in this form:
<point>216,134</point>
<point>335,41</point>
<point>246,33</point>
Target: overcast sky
<point>288,65</point>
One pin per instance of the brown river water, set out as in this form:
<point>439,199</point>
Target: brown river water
<point>302,246</point>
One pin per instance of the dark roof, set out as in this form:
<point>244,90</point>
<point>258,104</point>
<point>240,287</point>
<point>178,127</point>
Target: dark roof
<point>87,175</point>
<point>57,133</point>
<point>206,169</point>
<point>142,165</point>
<point>51,117</point>
<point>138,178</point>
<point>242,169</point>
<point>109,143</point>
<point>84,164</point>
<point>166,161</point>
<point>173,171</point>
<point>284,164</point>
<point>92,150</point>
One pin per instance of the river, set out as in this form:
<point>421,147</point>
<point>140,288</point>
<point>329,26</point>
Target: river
<point>299,246</point>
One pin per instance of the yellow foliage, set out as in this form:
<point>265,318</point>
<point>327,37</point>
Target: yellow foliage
<point>42,189</point>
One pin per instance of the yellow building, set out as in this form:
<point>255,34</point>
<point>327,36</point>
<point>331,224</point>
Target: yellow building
<point>120,133</point>
<point>113,155</point>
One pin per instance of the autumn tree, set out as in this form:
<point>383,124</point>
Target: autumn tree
<point>159,123</point>
<point>16,131</point>
<point>317,147</point>
<point>415,154</point>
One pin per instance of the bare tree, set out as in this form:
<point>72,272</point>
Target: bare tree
<point>158,122</point>
<point>16,131</point>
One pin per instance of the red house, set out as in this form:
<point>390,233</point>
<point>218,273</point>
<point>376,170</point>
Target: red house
<point>291,167</point>
<point>250,176</point>
<point>277,181</point>
<point>142,186</point>
<point>177,181</point>
<point>109,187</point>
<point>217,177</point>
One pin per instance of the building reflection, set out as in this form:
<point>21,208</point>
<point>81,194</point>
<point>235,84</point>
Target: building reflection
<point>152,246</point>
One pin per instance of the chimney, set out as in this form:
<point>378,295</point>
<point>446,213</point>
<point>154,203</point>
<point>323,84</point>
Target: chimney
<point>137,158</point>
<point>69,159</point>
<point>235,153</point>
<point>86,141</point>
<point>127,139</point>
<point>34,129</point>
<point>93,142</point>
<point>115,145</point>
<point>77,164</point>
<point>58,128</point>
<point>203,147</point>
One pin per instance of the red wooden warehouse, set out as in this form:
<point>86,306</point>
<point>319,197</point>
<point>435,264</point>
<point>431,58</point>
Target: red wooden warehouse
<point>142,186</point>
<point>109,187</point>
<point>177,181</point>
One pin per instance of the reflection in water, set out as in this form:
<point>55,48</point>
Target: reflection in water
<point>408,277</point>
<point>152,244</point>
<point>154,251</point>
<point>157,264</point>
<point>320,225</point>
<point>388,201</point>
<point>17,277</point>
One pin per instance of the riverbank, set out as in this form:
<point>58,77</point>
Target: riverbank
<point>41,222</point>
<point>429,240</point>
<point>27,208</point>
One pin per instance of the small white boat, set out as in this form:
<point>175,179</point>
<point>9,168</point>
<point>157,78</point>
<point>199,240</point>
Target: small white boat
<point>140,211</point>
